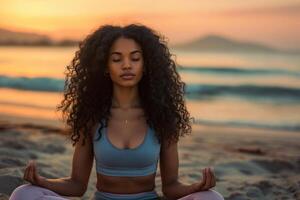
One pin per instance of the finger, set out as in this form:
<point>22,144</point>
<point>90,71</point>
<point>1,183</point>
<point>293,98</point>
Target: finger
<point>204,178</point>
<point>31,173</point>
<point>208,179</point>
<point>213,178</point>
<point>209,172</point>
<point>206,186</point>
<point>35,175</point>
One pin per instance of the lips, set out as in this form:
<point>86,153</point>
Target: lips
<point>127,74</point>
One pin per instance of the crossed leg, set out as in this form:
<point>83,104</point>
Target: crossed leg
<point>204,195</point>
<point>32,192</point>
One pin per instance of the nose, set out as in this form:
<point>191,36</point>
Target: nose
<point>127,63</point>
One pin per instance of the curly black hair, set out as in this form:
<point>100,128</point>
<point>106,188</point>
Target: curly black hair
<point>88,92</point>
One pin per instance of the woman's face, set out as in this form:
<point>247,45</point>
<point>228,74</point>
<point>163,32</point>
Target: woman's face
<point>125,62</point>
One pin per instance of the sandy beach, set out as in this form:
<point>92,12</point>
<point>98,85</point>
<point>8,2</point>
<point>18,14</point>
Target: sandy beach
<point>249,163</point>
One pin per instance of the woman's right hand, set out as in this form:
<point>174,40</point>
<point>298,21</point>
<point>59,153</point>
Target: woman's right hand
<point>31,174</point>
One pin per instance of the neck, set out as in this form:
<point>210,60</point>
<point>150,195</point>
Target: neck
<point>125,97</point>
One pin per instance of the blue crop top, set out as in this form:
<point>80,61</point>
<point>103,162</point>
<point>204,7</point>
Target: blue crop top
<point>113,161</point>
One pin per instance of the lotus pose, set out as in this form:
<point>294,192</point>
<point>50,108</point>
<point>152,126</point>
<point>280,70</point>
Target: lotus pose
<point>124,108</point>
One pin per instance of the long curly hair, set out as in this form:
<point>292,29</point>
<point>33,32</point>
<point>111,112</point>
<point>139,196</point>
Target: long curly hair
<point>88,91</point>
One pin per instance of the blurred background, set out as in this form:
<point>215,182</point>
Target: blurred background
<point>240,59</point>
<point>240,62</point>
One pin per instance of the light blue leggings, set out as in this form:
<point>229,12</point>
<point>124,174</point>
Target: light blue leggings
<point>32,192</point>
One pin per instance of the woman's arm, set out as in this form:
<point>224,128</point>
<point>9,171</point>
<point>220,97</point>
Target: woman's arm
<point>74,185</point>
<point>171,187</point>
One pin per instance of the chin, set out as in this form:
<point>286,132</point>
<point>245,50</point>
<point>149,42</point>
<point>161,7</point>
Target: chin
<point>127,83</point>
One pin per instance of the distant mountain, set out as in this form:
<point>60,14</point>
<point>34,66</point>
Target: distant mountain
<point>13,38</point>
<point>218,43</point>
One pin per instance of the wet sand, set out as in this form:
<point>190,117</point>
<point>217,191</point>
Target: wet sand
<point>248,163</point>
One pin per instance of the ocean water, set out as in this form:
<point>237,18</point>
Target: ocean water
<point>229,89</point>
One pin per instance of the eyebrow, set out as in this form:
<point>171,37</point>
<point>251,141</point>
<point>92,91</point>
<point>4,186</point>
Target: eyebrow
<point>119,53</point>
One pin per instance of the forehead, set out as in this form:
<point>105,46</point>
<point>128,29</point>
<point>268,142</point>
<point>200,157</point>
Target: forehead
<point>124,45</point>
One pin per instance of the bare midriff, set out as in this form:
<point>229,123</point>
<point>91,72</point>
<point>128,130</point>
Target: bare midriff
<point>125,185</point>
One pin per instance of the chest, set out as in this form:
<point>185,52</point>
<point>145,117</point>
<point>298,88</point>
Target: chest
<point>126,134</point>
<point>129,152</point>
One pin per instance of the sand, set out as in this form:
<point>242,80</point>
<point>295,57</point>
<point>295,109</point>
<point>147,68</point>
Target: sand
<point>248,163</point>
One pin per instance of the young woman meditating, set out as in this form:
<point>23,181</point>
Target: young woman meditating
<point>124,106</point>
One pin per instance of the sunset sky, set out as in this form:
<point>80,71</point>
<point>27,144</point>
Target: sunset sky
<point>272,22</point>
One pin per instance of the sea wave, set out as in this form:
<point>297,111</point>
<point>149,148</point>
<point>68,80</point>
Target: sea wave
<point>239,71</point>
<point>195,91</point>
<point>34,84</point>
<point>198,91</point>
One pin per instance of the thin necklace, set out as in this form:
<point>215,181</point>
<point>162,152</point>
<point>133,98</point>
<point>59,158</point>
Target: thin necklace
<point>126,120</point>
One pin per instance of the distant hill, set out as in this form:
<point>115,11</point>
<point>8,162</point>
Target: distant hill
<point>218,43</point>
<point>13,38</point>
<point>212,43</point>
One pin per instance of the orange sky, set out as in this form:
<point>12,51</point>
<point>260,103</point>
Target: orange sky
<point>273,22</point>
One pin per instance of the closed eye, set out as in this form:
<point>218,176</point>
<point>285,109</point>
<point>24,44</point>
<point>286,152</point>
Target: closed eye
<point>132,60</point>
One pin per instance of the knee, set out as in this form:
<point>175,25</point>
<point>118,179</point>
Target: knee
<point>26,191</point>
<point>216,195</point>
<point>207,195</point>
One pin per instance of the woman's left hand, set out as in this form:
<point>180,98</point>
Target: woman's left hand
<point>208,180</point>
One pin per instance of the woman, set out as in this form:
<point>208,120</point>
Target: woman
<point>124,104</point>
